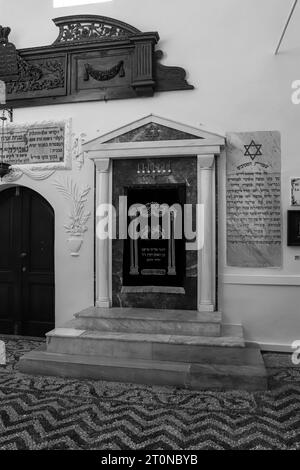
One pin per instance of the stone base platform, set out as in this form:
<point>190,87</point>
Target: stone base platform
<point>123,346</point>
<point>141,320</point>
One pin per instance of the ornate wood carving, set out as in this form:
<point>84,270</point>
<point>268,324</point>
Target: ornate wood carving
<point>170,78</point>
<point>91,28</point>
<point>103,75</point>
<point>93,58</point>
<point>8,55</point>
<point>45,74</point>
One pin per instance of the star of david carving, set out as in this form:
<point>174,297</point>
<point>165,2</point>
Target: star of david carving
<point>152,131</point>
<point>253,150</point>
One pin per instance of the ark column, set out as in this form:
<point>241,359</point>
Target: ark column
<point>207,253</point>
<point>103,297</point>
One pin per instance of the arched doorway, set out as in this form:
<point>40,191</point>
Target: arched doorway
<point>26,263</point>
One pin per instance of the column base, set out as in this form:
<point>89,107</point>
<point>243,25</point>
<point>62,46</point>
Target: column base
<point>206,308</point>
<point>103,303</point>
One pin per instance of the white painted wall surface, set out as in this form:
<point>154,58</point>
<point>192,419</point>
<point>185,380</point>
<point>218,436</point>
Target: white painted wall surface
<point>227,47</point>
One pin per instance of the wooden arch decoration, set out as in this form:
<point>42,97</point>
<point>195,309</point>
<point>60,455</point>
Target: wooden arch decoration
<point>94,58</point>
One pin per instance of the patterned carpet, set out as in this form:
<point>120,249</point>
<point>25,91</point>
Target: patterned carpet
<point>55,413</point>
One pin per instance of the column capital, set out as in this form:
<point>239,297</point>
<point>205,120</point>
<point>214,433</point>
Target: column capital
<point>102,165</point>
<point>206,162</point>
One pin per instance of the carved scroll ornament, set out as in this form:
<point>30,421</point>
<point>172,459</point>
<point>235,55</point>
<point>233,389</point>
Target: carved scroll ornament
<point>103,75</point>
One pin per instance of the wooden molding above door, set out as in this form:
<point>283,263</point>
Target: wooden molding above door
<point>94,58</point>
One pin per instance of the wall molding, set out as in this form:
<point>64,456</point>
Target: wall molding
<point>272,347</point>
<point>263,280</point>
<point>77,152</point>
<point>16,173</point>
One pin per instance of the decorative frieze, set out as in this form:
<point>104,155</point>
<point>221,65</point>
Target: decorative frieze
<point>15,174</point>
<point>104,75</point>
<point>98,58</point>
<point>43,75</point>
<point>86,28</point>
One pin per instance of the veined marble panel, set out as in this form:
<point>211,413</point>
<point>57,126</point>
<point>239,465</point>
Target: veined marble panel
<point>253,193</point>
<point>70,332</point>
<point>2,353</point>
<point>184,171</point>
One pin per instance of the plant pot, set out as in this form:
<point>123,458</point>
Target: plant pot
<point>74,244</point>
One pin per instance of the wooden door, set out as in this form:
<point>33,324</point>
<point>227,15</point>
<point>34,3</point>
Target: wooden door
<point>26,263</point>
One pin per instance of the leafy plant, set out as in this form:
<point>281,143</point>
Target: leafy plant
<point>78,198</point>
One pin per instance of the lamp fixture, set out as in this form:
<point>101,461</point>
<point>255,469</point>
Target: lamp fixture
<point>286,26</point>
<point>5,116</point>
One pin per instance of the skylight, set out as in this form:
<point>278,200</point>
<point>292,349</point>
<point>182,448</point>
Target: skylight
<point>71,3</point>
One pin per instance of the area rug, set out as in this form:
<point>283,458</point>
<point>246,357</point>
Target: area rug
<point>54,413</point>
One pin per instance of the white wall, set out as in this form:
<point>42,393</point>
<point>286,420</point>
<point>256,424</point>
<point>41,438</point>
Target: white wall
<point>227,48</point>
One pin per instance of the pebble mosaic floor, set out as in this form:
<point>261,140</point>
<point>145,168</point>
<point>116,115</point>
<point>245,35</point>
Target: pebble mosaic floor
<point>55,413</point>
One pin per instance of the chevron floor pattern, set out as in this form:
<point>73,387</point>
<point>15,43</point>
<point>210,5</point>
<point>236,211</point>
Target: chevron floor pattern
<point>55,413</point>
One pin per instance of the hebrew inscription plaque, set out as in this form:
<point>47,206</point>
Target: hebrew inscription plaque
<point>34,143</point>
<point>253,194</point>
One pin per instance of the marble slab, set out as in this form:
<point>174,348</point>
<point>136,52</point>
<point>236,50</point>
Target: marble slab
<point>152,289</point>
<point>253,197</point>
<point>151,314</point>
<point>184,172</point>
<point>69,332</point>
<point>2,354</point>
<point>2,92</point>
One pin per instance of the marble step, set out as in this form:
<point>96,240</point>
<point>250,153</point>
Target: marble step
<point>142,346</point>
<point>138,320</point>
<point>249,376</point>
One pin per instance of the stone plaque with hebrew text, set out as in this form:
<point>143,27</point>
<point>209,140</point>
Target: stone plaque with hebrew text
<point>253,196</point>
<point>34,143</point>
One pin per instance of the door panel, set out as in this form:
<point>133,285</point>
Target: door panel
<point>26,263</point>
<point>40,236</point>
<point>8,294</point>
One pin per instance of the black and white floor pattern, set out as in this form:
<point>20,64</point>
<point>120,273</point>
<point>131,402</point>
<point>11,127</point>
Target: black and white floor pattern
<point>54,413</point>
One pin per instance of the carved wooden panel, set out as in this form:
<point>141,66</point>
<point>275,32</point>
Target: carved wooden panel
<point>8,54</point>
<point>101,75</point>
<point>40,76</point>
<point>93,58</point>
